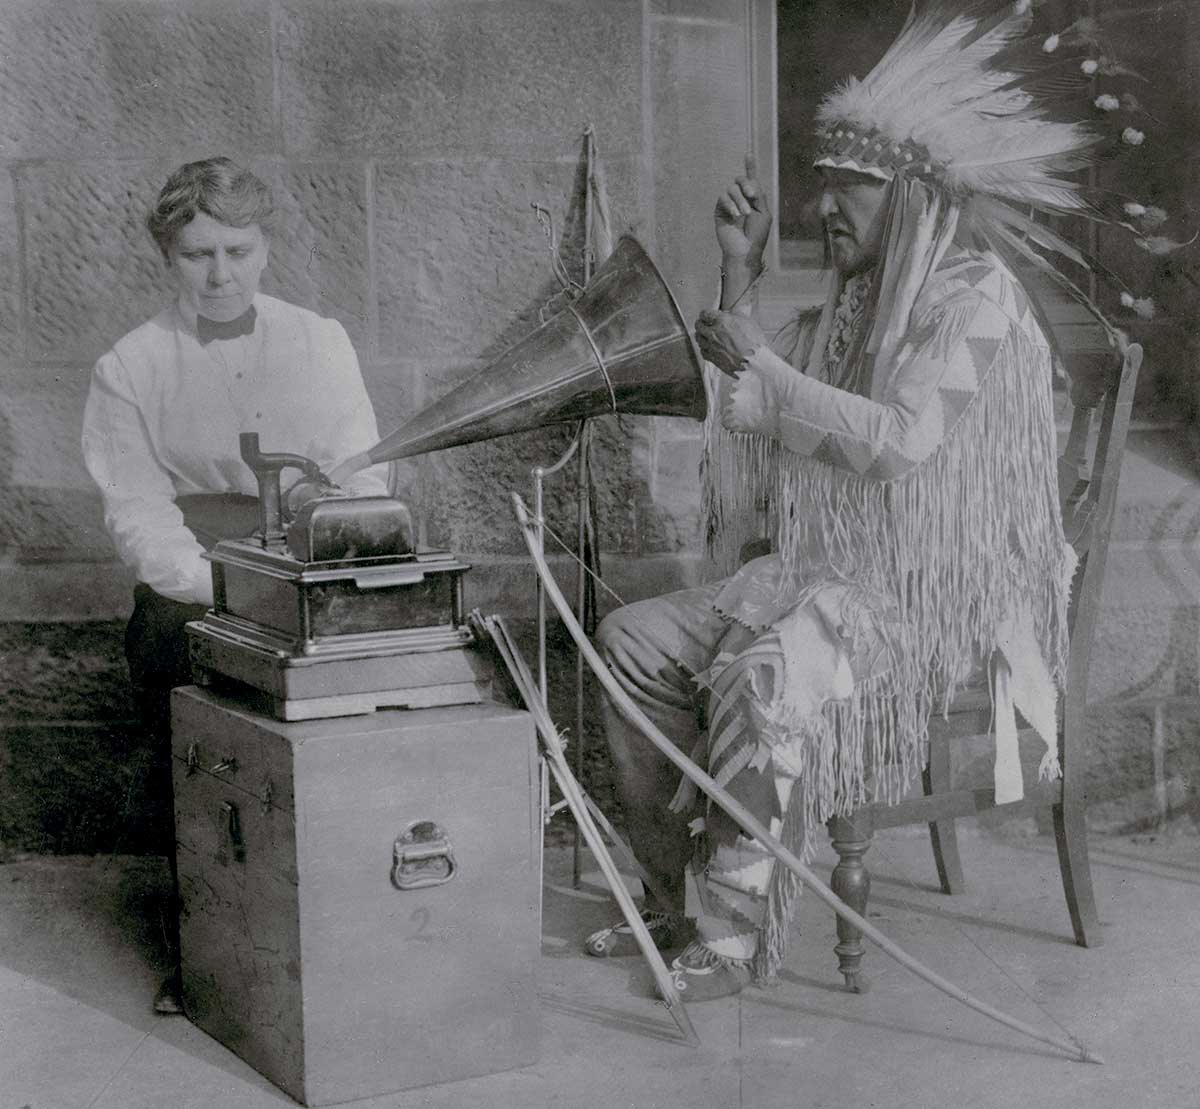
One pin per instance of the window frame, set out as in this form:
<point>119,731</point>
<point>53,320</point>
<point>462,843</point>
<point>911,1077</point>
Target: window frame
<point>801,285</point>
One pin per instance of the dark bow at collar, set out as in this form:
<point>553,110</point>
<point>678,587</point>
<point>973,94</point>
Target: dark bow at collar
<point>207,330</point>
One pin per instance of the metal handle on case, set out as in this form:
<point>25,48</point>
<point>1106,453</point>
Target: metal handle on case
<point>227,765</point>
<point>233,831</point>
<point>422,855</point>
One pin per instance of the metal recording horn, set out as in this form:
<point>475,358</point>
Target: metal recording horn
<point>621,346</point>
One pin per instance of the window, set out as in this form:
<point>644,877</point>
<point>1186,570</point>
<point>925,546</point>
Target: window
<point>799,50</point>
<point>819,43</point>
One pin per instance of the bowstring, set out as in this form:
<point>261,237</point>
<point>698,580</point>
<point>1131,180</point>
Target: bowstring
<point>713,694</point>
<point>583,565</point>
<point>875,844</point>
<point>902,871</point>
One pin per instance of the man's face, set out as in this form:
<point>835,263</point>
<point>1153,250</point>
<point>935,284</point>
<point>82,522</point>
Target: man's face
<point>852,214</point>
<point>216,267</point>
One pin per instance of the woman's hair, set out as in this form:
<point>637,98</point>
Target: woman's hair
<point>217,187</point>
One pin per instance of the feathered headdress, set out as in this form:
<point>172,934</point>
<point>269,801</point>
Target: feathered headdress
<point>963,100</point>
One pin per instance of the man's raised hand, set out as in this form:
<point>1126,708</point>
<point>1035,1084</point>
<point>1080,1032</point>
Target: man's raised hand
<point>743,220</point>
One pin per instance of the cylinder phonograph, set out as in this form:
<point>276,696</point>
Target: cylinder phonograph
<point>336,611</point>
<point>320,839</point>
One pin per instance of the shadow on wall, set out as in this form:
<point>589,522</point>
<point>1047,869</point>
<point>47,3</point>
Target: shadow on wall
<point>85,786</point>
<point>75,766</point>
<point>465,489</point>
<point>74,763</point>
<point>1172,668</point>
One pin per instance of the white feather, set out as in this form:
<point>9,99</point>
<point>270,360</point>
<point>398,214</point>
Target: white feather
<point>939,86</point>
<point>936,87</point>
<point>1045,237</point>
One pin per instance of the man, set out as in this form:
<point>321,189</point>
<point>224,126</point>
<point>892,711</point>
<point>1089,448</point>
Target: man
<point>903,438</point>
<point>160,429</point>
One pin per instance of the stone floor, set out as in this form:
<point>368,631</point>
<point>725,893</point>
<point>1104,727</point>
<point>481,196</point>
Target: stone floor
<point>79,963</point>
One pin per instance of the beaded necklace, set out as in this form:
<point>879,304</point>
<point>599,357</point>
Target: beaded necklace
<point>846,318</point>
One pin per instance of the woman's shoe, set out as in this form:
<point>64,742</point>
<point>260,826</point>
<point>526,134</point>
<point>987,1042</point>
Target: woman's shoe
<point>169,999</point>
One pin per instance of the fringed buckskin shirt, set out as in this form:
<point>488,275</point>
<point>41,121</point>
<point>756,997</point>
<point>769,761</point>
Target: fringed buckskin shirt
<point>917,532</point>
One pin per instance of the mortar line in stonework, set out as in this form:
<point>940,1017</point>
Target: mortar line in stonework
<point>647,203</point>
<point>1170,542</point>
<point>691,20</point>
<point>80,725</point>
<point>369,185</point>
<point>741,1056</point>
<point>276,93</point>
<point>23,314</point>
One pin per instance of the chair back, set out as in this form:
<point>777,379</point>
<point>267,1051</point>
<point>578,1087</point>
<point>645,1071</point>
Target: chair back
<point>1088,481</point>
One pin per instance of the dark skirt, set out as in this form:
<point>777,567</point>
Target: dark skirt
<point>157,652</point>
<point>156,646</point>
<point>156,649</point>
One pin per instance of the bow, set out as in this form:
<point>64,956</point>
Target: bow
<point>746,819</point>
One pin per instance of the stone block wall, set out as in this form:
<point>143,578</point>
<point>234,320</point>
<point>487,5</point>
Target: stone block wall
<point>407,143</point>
<point>1144,689</point>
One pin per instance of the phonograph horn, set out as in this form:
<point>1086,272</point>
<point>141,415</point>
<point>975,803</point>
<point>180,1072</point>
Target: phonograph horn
<point>621,346</point>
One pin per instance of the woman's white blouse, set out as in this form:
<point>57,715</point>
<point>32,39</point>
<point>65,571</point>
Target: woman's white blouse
<point>164,413</point>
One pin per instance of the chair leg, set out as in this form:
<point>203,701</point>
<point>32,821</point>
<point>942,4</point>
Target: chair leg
<point>1070,834</point>
<point>851,838</point>
<point>943,835</point>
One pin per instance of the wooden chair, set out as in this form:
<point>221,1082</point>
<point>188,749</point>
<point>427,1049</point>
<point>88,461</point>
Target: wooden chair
<point>1088,489</point>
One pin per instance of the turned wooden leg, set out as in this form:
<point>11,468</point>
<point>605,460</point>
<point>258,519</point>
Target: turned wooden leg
<point>851,837</point>
<point>942,834</point>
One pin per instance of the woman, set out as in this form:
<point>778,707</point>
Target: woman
<point>166,405</point>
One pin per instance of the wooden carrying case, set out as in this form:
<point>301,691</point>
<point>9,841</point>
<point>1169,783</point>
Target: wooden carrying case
<point>360,895</point>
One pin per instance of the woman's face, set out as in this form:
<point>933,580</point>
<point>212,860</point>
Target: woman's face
<point>217,268</point>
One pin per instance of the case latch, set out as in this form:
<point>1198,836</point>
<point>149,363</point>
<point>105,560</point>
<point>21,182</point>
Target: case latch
<point>233,841</point>
<point>422,856</point>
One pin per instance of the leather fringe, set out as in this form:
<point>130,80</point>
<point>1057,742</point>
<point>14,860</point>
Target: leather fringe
<point>957,543</point>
